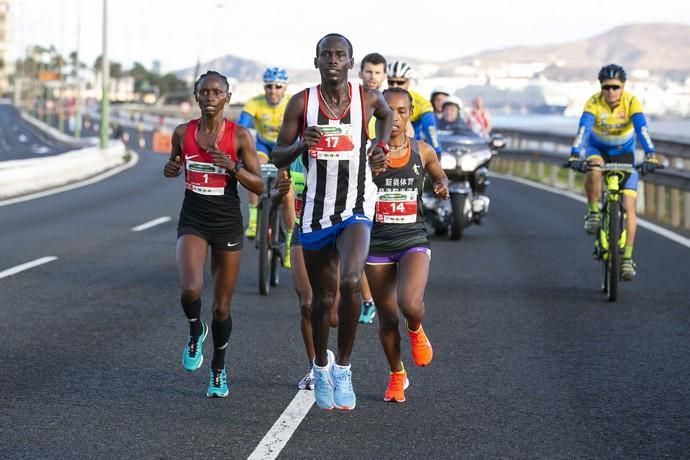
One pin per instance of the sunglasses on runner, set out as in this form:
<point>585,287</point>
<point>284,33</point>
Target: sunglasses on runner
<point>610,88</point>
<point>396,82</point>
<point>271,86</point>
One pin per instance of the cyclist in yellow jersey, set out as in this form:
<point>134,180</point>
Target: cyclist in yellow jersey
<point>422,118</point>
<point>612,121</point>
<point>265,113</point>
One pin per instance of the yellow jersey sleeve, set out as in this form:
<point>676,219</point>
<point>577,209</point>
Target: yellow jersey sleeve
<point>251,107</point>
<point>267,118</point>
<point>420,104</point>
<point>372,127</point>
<point>592,105</point>
<point>635,106</point>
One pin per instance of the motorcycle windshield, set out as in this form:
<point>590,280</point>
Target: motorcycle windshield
<point>456,129</point>
<point>462,145</point>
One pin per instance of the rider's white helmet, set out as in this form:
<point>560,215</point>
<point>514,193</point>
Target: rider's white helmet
<point>453,100</point>
<point>399,69</point>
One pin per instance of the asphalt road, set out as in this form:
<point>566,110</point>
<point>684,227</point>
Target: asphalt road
<point>530,360</point>
<point>19,139</point>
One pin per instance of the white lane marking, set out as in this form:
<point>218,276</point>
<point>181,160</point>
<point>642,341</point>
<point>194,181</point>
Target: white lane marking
<point>151,223</point>
<point>282,430</point>
<point>652,227</point>
<point>26,266</point>
<point>92,180</point>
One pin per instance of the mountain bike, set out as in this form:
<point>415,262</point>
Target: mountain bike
<point>610,241</point>
<point>270,239</point>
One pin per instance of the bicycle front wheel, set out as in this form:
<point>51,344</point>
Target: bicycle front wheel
<point>265,252</point>
<point>276,245</point>
<point>614,268</point>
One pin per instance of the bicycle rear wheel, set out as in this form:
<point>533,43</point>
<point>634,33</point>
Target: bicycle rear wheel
<point>264,247</point>
<point>614,266</point>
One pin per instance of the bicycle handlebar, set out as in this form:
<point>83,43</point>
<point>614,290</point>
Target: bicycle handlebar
<point>584,166</point>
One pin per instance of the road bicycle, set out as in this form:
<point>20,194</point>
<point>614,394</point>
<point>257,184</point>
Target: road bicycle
<point>609,242</point>
<point>270,239</point>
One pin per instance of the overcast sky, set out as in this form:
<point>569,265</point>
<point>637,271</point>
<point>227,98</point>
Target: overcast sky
<point>284,33</point>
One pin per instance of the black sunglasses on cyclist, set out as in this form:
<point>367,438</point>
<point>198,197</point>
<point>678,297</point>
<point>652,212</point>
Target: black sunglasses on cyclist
<point>396,82</point>
<point>271,86</point>
<point>610,88</point>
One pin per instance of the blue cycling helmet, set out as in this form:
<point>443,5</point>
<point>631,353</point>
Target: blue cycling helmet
<point>275,75</point>
<point>612,72</point>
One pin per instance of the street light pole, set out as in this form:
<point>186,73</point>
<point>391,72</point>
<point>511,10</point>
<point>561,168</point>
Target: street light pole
<point>105,107</point>
<point>77,99</point>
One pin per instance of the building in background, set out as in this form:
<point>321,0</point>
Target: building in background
<point>4,64</point>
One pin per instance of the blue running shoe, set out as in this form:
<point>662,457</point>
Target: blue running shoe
<point>367,313</point>
<point>217,383</point>
<point>192,356</point>
<point>343,395</point>
<point>323,384</point>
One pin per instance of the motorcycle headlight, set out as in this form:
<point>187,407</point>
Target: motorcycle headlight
<point>448,161</point>
<point>471,161</point>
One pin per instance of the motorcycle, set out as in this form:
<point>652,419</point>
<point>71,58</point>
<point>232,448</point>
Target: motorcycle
<point>465,159</point>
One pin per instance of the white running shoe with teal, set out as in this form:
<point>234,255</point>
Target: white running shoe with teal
<point>323,383</point>
<point>344,395</point>
<point>217,384</point>
<point>367,313</point>
<point>192,356</point>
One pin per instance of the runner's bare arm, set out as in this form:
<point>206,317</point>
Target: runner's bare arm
<point>249,174</point>
<point>173,167</point>
<point>383,114</point>
<point>433,167</point>
<point>384,124</point>
<point>287,149</point>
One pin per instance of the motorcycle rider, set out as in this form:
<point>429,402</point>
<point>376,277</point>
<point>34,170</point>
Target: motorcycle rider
<point>422,118</point>
<point>436,98</point>
<point>611,122</point>
<point>480,119</point>
<point>453,121</point>
<point>451,114</point>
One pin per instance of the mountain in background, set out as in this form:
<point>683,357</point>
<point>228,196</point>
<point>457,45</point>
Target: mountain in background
<point>662,49</point>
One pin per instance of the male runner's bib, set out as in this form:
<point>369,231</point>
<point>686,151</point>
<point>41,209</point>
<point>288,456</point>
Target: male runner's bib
<point>334,144</point>
<point>338,182</point>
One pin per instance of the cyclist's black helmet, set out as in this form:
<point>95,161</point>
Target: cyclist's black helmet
<point>611,72</point>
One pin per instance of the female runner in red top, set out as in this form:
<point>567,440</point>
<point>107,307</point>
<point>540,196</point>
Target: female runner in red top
<point>215,154</point>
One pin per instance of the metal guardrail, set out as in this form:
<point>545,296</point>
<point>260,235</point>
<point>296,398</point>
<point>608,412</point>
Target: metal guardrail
<point>663,196</point>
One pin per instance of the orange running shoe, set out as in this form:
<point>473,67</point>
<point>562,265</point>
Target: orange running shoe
<point>397,384</point>
<point>421,347</point>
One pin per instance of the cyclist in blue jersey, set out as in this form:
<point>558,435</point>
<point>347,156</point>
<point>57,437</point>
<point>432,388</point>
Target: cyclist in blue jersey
<point>612,121</point>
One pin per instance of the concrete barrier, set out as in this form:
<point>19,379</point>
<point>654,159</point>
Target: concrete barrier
<point>22,177</point>
<point>57,134</point>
